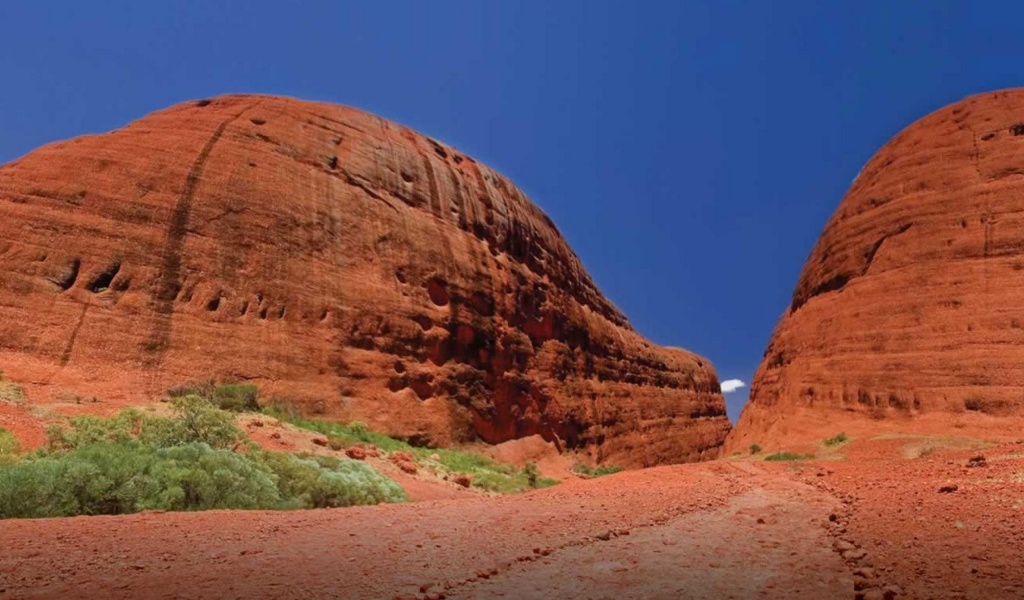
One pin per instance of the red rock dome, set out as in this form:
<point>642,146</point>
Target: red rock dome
<point>347,264</point>
<point>909,312</point>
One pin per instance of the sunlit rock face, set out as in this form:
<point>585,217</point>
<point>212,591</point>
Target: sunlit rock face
<point>348,265</point>
<point>910,309</point>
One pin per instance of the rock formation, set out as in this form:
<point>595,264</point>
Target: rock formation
<point>910,308</point>
<point>346,264</point>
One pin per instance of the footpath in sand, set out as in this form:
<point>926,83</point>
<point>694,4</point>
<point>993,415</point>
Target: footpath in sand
<point>874,526</point>
<point>704,531</point>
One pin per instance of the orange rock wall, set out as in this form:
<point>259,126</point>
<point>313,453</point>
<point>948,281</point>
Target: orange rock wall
<point>910,308</point>
<point>344,263</point>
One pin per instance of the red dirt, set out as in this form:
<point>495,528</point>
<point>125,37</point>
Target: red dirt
<point>725,529</point>
<point>353,267</point>
<point>908,308</point>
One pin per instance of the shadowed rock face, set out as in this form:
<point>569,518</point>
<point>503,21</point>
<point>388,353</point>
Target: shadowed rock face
<point>911,305</point>
<point>347,264</point>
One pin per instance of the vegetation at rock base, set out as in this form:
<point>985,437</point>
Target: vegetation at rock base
<point>837,440</point>
<point>589,471</point>
<point>195,460</point>
<point>9,445</point>
<point>236,397</point>
<point>755,448</point>
<point>487,474</point>
<point>788,457</point>
<point>11,393</point>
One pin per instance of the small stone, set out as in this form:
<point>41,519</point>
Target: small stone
<point>605,536</point>
<point>356,453</point>
<point>464,480</point>
<point>843,546</point>
<point>948,489</point>
<point>852,555</point>
<point>319,441</point>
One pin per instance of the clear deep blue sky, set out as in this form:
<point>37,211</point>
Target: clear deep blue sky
<point>689,151</point>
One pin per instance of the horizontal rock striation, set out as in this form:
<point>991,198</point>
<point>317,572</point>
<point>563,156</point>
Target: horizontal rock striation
<point>910,307</point>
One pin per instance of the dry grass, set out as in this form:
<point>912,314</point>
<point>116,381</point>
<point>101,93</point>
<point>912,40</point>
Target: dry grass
<point>926,445</point>
<point>12,393</point>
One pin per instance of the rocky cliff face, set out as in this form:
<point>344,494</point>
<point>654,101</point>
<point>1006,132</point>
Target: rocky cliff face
<point>345,263</point>
<point>910,308</point>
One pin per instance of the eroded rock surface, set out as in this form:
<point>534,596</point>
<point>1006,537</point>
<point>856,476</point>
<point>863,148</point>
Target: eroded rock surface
<point>351,266</point>
<point>910,308</point>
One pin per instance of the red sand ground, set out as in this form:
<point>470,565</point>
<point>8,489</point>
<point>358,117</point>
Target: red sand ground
<point>727,529</point>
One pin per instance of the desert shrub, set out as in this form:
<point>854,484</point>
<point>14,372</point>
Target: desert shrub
<point>359,430</point>
<point>203,388</point>
<point>329,482</point>
<point>837,440</point>
<point>236,397</point>
<point>788,456</point>
<point>755,448</point>
<point>532,474</point>
<point>195,421</point>
<point>126,477</point>
<point>9,444</point>
<point>587,470</point>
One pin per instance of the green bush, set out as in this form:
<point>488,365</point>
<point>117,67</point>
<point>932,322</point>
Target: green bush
<point>329,482</point>
<point>788,456</point>
<point>532,474</point>
<point>9,445</point>
<point>587,470</point>
<point>837,440</point>
<point>196,388</point>
<point>126,477</point>
<point>198,421</point>
<point>755,448</point>
<point>121,478</point>
<point>236,397</point>
<point>195,421</point>
<point>134,461</point>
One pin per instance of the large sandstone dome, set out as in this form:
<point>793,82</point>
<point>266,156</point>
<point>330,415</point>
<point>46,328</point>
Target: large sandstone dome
<point>348,265</point>
<point>909,312</point>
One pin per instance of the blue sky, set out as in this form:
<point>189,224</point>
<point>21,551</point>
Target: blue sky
<point>689,151</point>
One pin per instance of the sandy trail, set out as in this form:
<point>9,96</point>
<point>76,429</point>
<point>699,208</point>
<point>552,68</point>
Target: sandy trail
<point>685,531</point>
<point>727,529</point>
<point>768,542</point>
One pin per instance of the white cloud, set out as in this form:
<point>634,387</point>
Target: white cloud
<point>731,385</point>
